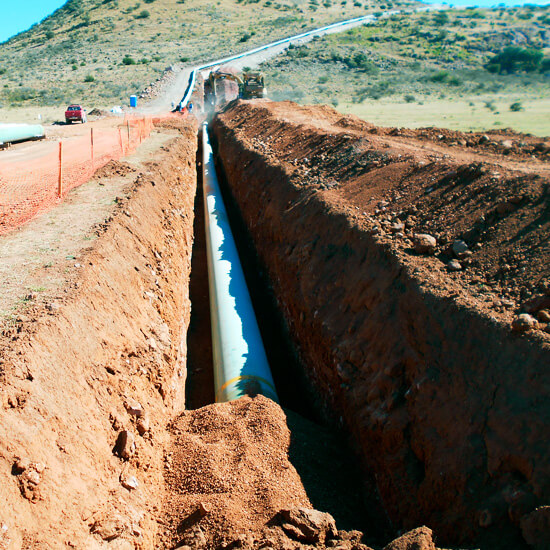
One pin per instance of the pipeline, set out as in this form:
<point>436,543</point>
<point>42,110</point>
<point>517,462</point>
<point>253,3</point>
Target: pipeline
<point>11,133</point>
<point>240,362</point>
<point>191,83</point>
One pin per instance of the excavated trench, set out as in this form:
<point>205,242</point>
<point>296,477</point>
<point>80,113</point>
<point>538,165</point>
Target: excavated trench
<point>327,465</point>
<point>426,391</point>
<point>400,408</point>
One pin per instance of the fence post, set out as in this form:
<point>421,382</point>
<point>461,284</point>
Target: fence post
<point>60,179</point>
<point>92,146</point>
<point>120,140</point>
<point>128,127</point>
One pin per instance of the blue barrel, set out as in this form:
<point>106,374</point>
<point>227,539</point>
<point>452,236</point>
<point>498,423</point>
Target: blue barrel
<point>133,101</point>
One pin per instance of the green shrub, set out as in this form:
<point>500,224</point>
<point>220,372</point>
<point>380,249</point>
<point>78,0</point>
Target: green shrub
<point>440,76</point>
<point>144,14</point>
<point>409,98</point>
<point>89,78</point>
<point>22,94</point>
<point>513,59</point>
<point>517,106</point>
<point>441,18</point>
<point>128,60</point>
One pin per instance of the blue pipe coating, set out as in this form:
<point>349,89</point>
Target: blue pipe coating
<point>240,362</point>
<point>10,133</point>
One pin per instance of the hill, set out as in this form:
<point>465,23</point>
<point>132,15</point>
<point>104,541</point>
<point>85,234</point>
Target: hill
<point>101,51</point>
<point>421,69</point>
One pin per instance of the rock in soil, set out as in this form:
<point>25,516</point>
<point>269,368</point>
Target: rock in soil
<point>454,265</point>
<point>125,445</point>
<point>524,322</point>
<point>424,244</point>
<point>417,539</point>
<point>308,525</point>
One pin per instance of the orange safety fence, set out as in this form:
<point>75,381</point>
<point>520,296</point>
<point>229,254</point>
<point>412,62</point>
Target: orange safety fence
<point>34,184</point>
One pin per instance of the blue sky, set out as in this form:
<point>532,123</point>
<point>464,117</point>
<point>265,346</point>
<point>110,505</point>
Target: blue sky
<point>19,15</point>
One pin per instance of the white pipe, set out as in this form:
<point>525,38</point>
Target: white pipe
<point>240,362</point>
<point>364,18</point>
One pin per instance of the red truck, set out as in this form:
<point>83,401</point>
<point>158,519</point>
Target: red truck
<point>75,113</point>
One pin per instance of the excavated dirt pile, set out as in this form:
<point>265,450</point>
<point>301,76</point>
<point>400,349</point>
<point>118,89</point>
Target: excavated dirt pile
<point>89,381</point>
<point>413,274</point>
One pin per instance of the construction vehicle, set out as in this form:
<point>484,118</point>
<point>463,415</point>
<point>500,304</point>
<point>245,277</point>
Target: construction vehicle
<point>225,84</point>
<point>253,85</point>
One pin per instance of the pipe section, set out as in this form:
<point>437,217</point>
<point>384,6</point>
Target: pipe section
<point>240,362</point>
<point>11,133</point>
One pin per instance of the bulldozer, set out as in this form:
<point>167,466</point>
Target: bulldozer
<point>225,84</point>
<point>253,85</point>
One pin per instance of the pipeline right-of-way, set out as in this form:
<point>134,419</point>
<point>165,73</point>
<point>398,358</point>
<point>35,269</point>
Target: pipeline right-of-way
<point>240,362</point>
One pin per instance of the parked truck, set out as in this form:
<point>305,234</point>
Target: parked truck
<point>75,113</point>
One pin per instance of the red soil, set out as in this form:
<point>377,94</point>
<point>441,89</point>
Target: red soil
<point>446,402</point>
<point>105,355</point>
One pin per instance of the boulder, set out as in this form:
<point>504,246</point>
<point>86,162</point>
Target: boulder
<point>535,528</point>
<point>417,539</point>
<point>308,525</point>
<point>424,243</point>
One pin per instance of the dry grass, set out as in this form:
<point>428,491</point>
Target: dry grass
<point>457,114</point>
<point>54,62</point>
<point>412,70</point>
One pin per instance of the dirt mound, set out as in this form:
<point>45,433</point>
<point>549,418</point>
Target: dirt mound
<point>360,232</point>
<point>238,478</point>
<point>89,380</point>
<point>490,216</point>
<point>114,168</point>
<point>99,113</point>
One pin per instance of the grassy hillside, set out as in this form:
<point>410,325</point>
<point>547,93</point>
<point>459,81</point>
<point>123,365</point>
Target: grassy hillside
<point>428,68</point>
<point>101,51</point>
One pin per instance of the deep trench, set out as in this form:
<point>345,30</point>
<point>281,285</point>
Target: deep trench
<point>329,469</point>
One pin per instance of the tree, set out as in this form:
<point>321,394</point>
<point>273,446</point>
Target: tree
<point>514,59</point>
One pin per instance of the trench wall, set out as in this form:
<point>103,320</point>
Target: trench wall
<point>110,349</point>
<point>445,406</point>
